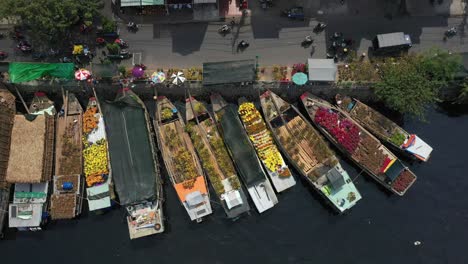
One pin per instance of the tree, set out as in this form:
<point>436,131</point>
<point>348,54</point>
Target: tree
<point>50,20</point>
<point>440,66</point>
<point>406,87</point>
<point>463,94</point>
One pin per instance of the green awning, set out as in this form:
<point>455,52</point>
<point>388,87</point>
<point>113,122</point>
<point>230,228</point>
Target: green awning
<point>124,3</point>
<point>25,72</point>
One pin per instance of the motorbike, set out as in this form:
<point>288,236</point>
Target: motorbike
<point>131,26</point>
<point>2,35</point>
<point>224,29</point>
<point>65,60</point>
<point>242,45</point>
<point>320,27</point>
<point>16,35</point>
<point>3,55</point>
<point>100,41</point>
<point>451,32</point>
<point>121,43</point>
<point>307,41</point>
<point>39,55</point>
<point>24,46</point>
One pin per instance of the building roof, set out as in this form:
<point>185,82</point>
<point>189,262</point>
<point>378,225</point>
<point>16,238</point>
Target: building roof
<point>392,39</point>
<point>228,72</point>
<point>184,193</point>
<point>27,150</point>
<point>322,70</point>
<point>125,3</point>
<point>98,197</point>
<point>25,215</point>
<point>335,178</point>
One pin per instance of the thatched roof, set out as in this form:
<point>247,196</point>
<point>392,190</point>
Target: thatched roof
<point>27,150</point>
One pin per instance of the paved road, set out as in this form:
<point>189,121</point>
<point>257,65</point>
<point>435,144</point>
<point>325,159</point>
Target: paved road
<point>276,40</point>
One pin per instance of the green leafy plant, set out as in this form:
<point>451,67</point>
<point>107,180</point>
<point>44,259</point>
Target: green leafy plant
<point>397,139</point>
<point>113,48</point>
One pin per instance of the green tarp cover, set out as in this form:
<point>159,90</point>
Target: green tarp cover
<point>25,72</point>
<point>130,150</point>
<point>228,72</point>
<point>238,143</point>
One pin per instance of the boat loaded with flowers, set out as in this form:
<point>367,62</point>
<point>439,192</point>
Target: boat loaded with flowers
<point>359,144</point>
<point>215,159</point>
<point>243,153</point>
<point>96,157</point>
<point>308,152</point>
<point>180,158</point>
<point>385,129</point>
<point>266,149</point>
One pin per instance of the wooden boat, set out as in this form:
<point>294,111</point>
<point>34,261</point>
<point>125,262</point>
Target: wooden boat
<point>268,153</point>
<point>359,145</point>
<point>215,159</point>
<point>7,116</point>
<point>181,160</point>
<point>30,165</point>
<point>243,153</point>
<point>305,148</point>
<point>68,185</point>
<point>384,128</point>
<point>96,163</point>
<point>133,158</point>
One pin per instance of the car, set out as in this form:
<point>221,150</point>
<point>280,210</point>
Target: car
<point>296,13</point>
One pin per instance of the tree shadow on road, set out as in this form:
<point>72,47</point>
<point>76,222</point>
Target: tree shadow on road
<point>187,38</point>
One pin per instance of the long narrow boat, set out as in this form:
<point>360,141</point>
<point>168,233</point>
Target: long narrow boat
<point>309,153</point>
<point>7,116</point>
<point>97,169</point>
<point>243,153</point>
<point>181,160</point>
<point>267,151</point>
<point>359,145</point>
<point>384,128</point>
<point>30,165</point>
<point>134,163</point>
<point>215,159</point>
<point>68,185</point>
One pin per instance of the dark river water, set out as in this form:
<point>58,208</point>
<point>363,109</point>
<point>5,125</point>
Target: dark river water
<point>382,228</point>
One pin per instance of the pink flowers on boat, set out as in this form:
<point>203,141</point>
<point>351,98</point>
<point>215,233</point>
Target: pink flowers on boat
<point>343,130</point>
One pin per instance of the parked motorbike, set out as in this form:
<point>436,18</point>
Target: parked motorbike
<point>3,55</point>
<point>121,43</point>
<point>100,41</point>
<point>2,35</point>
<point>16,35</point>
<point>39,55</point>
<point>24,46</point>
<point>65,60</point>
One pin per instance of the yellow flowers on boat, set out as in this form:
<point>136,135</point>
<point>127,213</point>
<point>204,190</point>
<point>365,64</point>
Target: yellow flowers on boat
<point>95,162</point>
<point>260,137</point>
